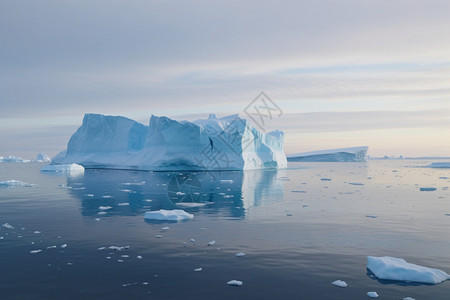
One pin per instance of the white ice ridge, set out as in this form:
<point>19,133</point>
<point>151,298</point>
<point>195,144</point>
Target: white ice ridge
<point>392,268</point>
<point>63,168</point>
<point>340,154</point>
<point>228,143</point>
<point>168,215</point>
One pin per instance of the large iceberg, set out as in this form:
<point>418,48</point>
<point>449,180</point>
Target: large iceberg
<point>228,143</point>
<point>340,155</point>
<point>391,268</point>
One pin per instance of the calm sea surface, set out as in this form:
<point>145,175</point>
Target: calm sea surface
<point>300,229</point>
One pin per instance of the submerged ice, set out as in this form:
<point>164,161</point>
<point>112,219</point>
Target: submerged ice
<point>228,143</point>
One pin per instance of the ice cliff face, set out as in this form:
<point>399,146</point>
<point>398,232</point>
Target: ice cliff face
<point>228,143</point>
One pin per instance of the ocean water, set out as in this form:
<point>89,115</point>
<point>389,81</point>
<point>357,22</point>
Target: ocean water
<point>300,229</point>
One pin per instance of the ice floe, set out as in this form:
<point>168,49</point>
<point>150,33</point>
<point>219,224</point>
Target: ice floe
<point>198,270</point>
<point>13,182</point>
<point>8,226</point>
<point>211,243</point>
<point>372,294</point>
<point>339,283</point>
<point>35,251</point>
<point>168,215</point>
<point>240,254</point>
<point>235,282</point>
<point>104,207</point>
<point>392,268</point>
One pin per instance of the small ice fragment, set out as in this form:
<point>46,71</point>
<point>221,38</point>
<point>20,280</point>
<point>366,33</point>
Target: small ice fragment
<point>325,179</point>
<point>106,196</point>
<point>180,193</point>
<point>212,243</point>
<point>118,248</point>
<point>427,189</point>
<point>192,240</point>
<point>289,214</point>
<point>51,247</point>
<point>123,204</point>
<point>339,283</point>
<point>97,219</point>
<point>372,294</point>
<point>108,257</point>
<point>69,264</point>
<point>139,257</point>
<point>120,260</point>
<point>408,298</point>
<point>226,181</point>
<point>35,251</point>
<point>37,232</point>
<point>102,213</point>
<point>63,245</point>
<point>356,183</point>
<point>145,283</point>
<point>125,256</point>
<point>1,238</point>
<point>240,254</point>
<point>165,228</point>
<point>8,226</point>
<point>101,248</point>
<point>104,207</point>
<point>89,195</point>
<point>235,282</point>
<point>148,200</point>
<point>159,236</point>
<point>198,270</point>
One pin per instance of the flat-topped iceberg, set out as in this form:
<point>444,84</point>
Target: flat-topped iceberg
<point>391,268</point>
<point>13,158</point>
<point>228,143</point>
<point>439,165</point>
<point>331,155</point>
<point>64,168</point>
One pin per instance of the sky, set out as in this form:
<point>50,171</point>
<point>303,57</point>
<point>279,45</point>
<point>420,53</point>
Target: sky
<point>344,73</point>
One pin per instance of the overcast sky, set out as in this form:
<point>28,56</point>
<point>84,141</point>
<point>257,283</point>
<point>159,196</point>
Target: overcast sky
<point>345,73</point>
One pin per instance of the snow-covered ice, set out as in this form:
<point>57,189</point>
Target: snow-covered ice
<point>63,245</point>
<point>35,251</point>
<point>166,144</point>
<point>240,254</point>
<point>339,283</point>
<point>8,226</point>
<point>372,294</point>
<point>198,270</point>
<point>63,168</point>
<point>338,155</point>
<point>392,268</point>
<point>235,282</point>
<point>168,215</point>
<point>104,207</point>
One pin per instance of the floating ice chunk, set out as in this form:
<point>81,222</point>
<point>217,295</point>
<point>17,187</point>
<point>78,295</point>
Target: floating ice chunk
<point>63,245</point>
<point>372,294</point>
<point>371,216</point>
<point>356,183</point>
<point>139,257</point>
<point>63,168</point>
<point>339,283</point>
<point>212,243</point>
<point>427,189</point>
<point>168,215</point>
<point>165,228</point>
<point>120,260</point>
<point>198,270</point>
<point>240,254</point>
<point>125,256</point>
<point>37,232</point>
<point>192,240</point>
<point>325,179</point>
<point>101,248</point>
<point>145,283</point>
<point>226,181</point>
<point>104,207</point>
<point>439,165</point>
<point>97,219</point>
<point>123,204</point>
<point>107,196</point>
<point>408,298</point>
<point>10,183</point>
<point>51,247</point>
<point>102,213</point>
<point>191,204</point>
<point>35,251</point>
<point>392,268</point>
<point>159,236</point>
<point>180,193</point>
<point>118,248</point>
<point>8,226</point>
<point>235,282</point>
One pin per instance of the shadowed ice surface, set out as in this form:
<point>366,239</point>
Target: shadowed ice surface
<point>300,229</point>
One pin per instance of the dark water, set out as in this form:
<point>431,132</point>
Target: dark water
<point>300,229</point>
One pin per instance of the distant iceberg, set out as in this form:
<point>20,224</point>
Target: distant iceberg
<point>228,143</point>
<point>439,165</point>
<point>42,157</point>
<point>64,168</point>
<point>391,268</point>
<point>12,158</point>
<point>338,155</point>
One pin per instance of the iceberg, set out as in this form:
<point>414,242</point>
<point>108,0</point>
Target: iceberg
<point>439,165</point>
<point>13,182</point>
<point>391,268</point>
<point>64,168</point>
<point>42,157</point>
<point>12,158</point>
<point>332,155</point>
<point>168,215</point>
<point>228,143</point>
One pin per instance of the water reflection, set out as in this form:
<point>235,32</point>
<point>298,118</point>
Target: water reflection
<point>106,193</point>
